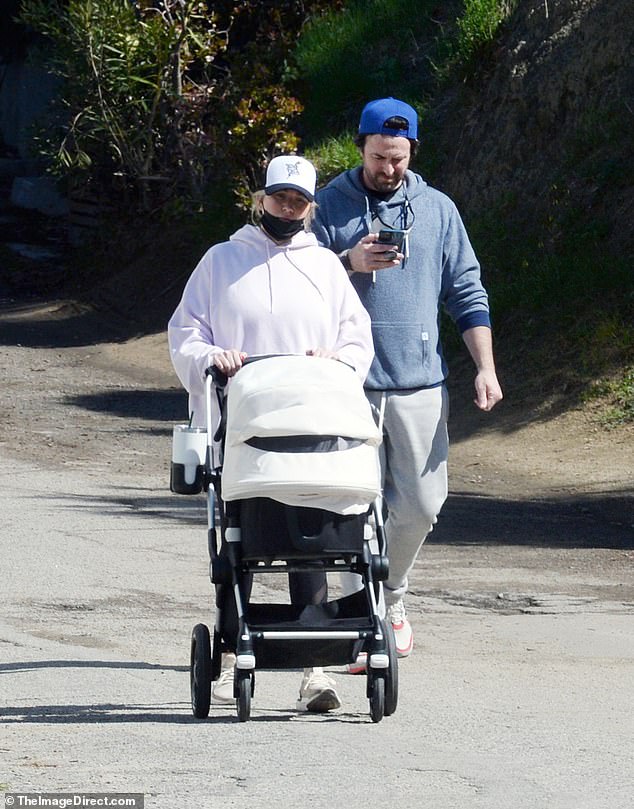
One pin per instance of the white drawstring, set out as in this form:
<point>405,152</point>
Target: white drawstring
<point>293,264</point>
<point>382,412</point>
<point>268,267</point>
<point>306,276</point>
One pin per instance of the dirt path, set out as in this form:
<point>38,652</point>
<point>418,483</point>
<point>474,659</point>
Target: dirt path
<point>539,500</point>
<point>69,379</point>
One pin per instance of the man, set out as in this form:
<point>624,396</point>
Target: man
<point>422,261</point>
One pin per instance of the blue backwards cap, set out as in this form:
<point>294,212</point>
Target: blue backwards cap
<point>376,113</point>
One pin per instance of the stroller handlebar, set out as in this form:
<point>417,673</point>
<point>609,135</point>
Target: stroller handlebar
<point>218,377</point>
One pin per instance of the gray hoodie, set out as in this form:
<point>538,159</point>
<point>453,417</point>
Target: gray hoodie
<point>404,302</point>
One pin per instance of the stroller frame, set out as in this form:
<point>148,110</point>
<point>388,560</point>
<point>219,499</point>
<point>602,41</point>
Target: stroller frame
<point>283,636</point>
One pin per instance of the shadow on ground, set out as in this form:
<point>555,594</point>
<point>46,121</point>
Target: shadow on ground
<point>150,405</point>
<point>36,322</point>
<point>588,521</point>
<point>32,665</point>
<point>584,521</point>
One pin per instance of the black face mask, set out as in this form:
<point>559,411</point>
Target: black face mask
<point>280,230</point>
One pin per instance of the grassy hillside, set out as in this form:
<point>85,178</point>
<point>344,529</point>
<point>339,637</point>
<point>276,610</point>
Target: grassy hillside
<point>526,124</point>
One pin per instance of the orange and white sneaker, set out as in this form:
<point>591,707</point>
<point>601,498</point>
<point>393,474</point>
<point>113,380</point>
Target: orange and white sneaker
<point>403,634</point>
<point>360,665</point>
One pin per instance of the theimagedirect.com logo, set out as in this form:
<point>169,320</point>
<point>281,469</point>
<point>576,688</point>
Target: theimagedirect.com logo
<point>59,800</point>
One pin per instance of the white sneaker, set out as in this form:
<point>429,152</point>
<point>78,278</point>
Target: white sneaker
<point>317,692</point>
<point>403,634</point>
<point>222,688</point>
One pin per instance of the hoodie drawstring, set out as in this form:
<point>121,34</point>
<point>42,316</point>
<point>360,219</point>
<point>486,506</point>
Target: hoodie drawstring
<point>287,254</point>
<point>306,276</point>
<point>268,269</point>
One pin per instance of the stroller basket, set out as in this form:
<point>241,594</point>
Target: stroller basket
<point>345,623</point>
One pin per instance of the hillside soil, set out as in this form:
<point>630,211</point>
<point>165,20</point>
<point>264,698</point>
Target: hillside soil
<point>544,122</point>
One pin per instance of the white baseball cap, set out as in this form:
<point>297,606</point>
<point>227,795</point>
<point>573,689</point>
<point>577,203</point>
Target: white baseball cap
<point>291,171</point>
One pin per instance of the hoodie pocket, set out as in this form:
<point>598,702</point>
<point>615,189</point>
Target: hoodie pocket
<point>402,355</point>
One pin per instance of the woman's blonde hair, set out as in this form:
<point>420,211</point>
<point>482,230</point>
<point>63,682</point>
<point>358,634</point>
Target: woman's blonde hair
<point>256,210</point>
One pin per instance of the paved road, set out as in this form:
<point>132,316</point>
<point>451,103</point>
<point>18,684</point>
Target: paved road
<point>519,694</point>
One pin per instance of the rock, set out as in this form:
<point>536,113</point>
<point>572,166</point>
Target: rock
<point>39,194</point>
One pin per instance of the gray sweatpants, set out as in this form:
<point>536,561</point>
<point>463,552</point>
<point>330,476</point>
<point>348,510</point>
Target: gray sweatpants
<point>414,465</point>
<point>414,468</point>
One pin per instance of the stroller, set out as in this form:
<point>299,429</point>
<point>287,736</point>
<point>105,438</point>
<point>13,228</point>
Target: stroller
<point>292,481</point>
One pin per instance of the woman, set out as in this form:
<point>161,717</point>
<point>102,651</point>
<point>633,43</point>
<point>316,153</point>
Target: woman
<point>271,290</point>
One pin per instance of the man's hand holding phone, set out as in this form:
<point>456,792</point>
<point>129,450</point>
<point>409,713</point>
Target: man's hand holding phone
<point>394,240</point>
<point>377,251</point>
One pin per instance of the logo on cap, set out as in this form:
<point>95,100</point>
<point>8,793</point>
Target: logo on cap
<point>292,169</point>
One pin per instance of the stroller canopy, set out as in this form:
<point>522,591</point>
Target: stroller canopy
<point>300,430</point>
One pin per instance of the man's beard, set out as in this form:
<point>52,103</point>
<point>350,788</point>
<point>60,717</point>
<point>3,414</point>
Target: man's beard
<point>381,183</point>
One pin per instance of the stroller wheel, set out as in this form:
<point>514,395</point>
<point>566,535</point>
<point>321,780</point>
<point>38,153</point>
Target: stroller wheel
<point>377,697</point>
<point>391,675</point>
<point>200,671</point>
<point>245,689</point>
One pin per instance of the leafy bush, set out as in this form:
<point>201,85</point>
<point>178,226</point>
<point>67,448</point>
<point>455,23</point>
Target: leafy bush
<point>265,111</point>
<point>333,156</point>
<point>134,112</point>
<point>161,96</point>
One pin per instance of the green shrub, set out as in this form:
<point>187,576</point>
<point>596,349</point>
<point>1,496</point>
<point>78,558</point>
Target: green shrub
<point>478,25</point>
<point>617,394</point>
<point>131,117</point>
<point>333,156</point>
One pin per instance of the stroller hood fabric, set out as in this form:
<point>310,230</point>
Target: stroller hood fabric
<point>300,430</point>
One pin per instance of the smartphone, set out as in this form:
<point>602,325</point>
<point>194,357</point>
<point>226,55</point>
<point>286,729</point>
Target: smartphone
<point>393,237</point>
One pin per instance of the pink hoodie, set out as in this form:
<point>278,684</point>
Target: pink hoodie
<point>259,297</point>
